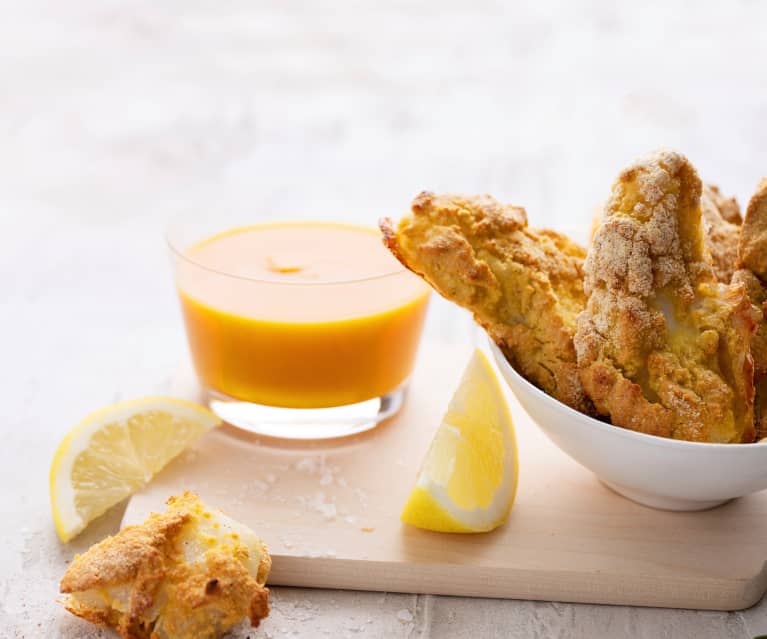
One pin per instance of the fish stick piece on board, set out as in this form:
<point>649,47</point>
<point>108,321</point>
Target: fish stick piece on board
<point>524,286</point>
<point>189,573</point>
<point>663,347</point>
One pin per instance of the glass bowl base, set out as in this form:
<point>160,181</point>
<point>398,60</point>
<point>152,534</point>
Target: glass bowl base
<point>306,423</point>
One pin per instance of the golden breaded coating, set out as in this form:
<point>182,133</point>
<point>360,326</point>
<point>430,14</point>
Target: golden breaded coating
<point>190,573</point>
<point>752,272</point>
<point>662,346</point>
<point>722,236</point>
<point>524,286</point>
<point>728,207</point>
<point>753,247</point>
<point>597,216</point>
<point>721,217</point>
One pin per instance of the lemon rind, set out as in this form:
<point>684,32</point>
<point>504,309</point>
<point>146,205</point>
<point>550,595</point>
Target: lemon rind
<point>497,512</point>
<point>66,519</point>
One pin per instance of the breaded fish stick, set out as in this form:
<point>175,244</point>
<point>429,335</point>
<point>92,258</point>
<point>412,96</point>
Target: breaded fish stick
<point>524,286</point>
<point>189,573</point>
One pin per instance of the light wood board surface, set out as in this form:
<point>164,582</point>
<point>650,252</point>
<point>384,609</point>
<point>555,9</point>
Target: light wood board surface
<point>329,513</point>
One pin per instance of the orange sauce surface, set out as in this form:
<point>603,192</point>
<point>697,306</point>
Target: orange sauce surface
<point>300,315</point>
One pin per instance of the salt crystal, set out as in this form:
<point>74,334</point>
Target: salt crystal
<point>351,520</point>
<point>319,504</point>
<point>306,465</point>
<point>328,511</point>
<point>361,496</point>
<point>405,616</point>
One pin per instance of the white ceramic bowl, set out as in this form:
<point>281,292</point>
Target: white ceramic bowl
<point>654,471</point>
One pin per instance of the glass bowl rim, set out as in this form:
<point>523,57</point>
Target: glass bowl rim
<point>177,252</point>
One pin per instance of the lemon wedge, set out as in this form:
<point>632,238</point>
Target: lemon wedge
<point>114,452</point>
<point>468,480</point>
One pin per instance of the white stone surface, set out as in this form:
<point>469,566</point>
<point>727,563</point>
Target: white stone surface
<point>116,114</point>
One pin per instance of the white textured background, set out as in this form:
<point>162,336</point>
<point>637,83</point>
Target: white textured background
<point>116,114</point>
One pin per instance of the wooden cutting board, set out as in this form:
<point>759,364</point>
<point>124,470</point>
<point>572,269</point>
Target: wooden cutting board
<point>329,513</point>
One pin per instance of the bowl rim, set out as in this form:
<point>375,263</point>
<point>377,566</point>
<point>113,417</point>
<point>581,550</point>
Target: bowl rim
<point>615,431</point>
